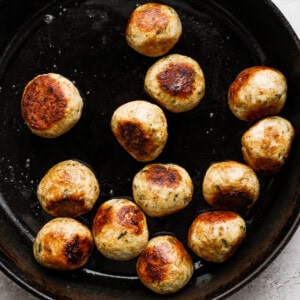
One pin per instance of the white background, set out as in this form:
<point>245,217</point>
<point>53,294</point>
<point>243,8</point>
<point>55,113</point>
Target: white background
<point>280,281</point>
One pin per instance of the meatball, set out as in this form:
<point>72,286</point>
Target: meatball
<point>175,82</point>
<point>215,236</point>
<point>257,92</point>
<point>153,29</point>
<point>230,185</point>
<point>164,266</point>
<point>51,105</point>
<point>120,229</point>
<point>141,129</point>
<point>162,189</point>
<point>266,145</point>
<point>63,244</point>
<point>68,189</point>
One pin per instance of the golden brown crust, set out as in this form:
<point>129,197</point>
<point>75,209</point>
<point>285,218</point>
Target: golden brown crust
<point>120,229</point>
<point>154,262</point>
<point>129,216</point>
<point>43,102</point>
<point>163,175</point>
<point>178,79</point>
<point>164,266</point>
<point>63,244</point>
<point>135,139</point>
<point>214,217</point>
<point>241,79</point>
<point>149,18</point>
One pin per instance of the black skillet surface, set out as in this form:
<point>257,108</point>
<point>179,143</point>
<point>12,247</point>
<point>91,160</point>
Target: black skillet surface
<point>84,41</point>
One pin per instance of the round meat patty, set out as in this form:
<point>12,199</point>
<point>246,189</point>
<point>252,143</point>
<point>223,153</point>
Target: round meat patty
<point>162,189</point>
<point>153,29</point>
<point>141,129</point>
<point>120,229</point>
<point>230,185</point>
<point>51,105</point>
<point>68,189</point>
<point>215,236</point>
<point>63,244</point>
<point>266,144</point>
<point>164,266</point>
<point>257,92</point>
<point>176,82</point>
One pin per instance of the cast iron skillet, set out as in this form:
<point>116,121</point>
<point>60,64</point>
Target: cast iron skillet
<point>84,40</point>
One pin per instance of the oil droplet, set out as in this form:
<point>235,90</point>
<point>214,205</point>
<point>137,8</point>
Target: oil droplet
<point>48,19</point>
<point>27,163</point>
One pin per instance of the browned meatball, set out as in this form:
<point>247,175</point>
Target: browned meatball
<point>164,266</point>
<point>162,189</point>
<point>141,129</point>
<point>68,189</point>
<point>153,29</point>
<point>230,185</point>
<point>257,92</point>
<point>63,244</point>
<point>176,82</point>
<point>266,145</point>
<point>51,105</point>
<point>215,236</point>
<point>120,229</point>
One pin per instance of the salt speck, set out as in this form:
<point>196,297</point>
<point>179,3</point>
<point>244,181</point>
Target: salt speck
<point>111,192</point>
<point>48,19</point>
<point>88,92</point>
<point>27,163</point>
<point>211,115</point>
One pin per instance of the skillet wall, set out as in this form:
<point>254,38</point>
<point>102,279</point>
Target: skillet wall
<point>277,226</point>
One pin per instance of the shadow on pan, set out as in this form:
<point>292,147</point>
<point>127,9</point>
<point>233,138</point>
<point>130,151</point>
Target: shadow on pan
<point>84,41</point>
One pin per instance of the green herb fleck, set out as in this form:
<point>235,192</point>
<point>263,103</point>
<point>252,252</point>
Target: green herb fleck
<point>40,247</point>
<point>224,243</point>
<point>122,234</point>
<point>243,228</point>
